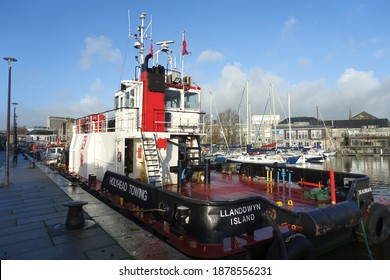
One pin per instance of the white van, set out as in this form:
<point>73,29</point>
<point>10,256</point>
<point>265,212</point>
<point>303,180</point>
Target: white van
<point>53,154</point>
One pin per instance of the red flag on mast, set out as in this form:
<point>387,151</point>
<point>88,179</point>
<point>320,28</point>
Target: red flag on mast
<point>151,49</point>
<point>184,44</point>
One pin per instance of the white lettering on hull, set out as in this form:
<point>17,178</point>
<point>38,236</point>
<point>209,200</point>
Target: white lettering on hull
<point>129,188</point>
<point>242,219</point>
<point>242,214</point>
<point>363,191</point>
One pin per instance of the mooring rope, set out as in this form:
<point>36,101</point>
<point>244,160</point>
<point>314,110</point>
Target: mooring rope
<point>365,235</point>
<point>278,235</point>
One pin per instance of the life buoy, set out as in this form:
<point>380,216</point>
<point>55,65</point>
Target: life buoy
<point>376,222</point>
<point>296,246</point>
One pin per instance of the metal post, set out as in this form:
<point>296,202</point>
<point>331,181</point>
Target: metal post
<point>9,60</point>
<point>15,145</point>
<point>207,172</point>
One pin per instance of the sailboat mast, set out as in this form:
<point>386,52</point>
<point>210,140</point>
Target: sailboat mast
<point>289,121</point>
<point>239,122</point>
<point>247,114</point>
<point>273,109</point>
<point>211,124</point>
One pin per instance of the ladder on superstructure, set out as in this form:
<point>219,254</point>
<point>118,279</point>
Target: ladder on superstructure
<point>193,153</point>
<point>152,160</point>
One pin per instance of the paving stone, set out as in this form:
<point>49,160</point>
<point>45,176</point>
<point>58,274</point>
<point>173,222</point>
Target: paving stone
<point>23,247</point>
<point>32,218</point>
<point>21,228</point>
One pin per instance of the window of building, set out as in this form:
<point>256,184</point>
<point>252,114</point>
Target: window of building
<point>315,134</point>
<point>290,134</point>
<point>303,134</point>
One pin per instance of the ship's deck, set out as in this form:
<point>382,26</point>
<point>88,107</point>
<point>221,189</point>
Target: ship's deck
<point>232,187</point>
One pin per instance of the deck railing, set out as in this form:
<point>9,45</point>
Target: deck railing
<point>123,119</point>
<point>128,119</point>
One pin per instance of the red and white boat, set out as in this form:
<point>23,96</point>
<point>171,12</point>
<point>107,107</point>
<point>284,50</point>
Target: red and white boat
<point>145,156</point>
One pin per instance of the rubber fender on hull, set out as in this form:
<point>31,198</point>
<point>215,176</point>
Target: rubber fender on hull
<point>296,247</point>
<point>376,223</point>
<point>329,219</point>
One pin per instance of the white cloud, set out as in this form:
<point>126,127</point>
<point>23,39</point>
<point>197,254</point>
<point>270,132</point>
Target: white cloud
<point>289,23</point>
<point>288,26</point>
<point>209,56</point>
<point>354,82</point>
<point>97,86</point>
<point>98,48</point>
<point>379,54</point>
<point>91,102</point>
<point>355,90</point>
<point>303,61</point>
<point>230,91</point>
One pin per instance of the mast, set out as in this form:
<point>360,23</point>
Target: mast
<point>182,57</point>
<point>239,122</point>
<point>141,30</point>
<point>140,38</point>
<point>247,115</point>
<point>289,120</point>
<point>211,124</point>
<point>273,109</point>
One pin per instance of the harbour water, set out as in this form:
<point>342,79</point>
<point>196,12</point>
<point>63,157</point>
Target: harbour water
<point>378,168</point>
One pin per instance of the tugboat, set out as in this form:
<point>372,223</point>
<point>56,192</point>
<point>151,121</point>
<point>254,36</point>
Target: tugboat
<point>145,157</point>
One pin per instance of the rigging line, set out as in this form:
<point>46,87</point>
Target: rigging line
<point>261,122</point>
<point>281,105</point>
<point>242,97</point>
<point>124,62</point>
<point>220,124</point>
<point>326,130</point>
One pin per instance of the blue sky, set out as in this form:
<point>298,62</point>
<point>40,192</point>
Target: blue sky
<point>71,54</point>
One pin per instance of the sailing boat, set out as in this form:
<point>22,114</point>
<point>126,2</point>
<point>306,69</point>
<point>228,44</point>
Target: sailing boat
<point>332,151</point>
<point>264,155</point>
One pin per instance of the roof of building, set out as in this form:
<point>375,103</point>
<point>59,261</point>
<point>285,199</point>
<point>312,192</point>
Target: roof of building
<point>361,120</point>
<point>41,132</point>
<point>363,116</point>
<point>308,120</point>
<point>358,123</point>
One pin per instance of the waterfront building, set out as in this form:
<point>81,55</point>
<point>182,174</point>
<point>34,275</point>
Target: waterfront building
<point>303,132</point>
<point>40,136</point>
<point>63,127</point>
<point>362,133</point>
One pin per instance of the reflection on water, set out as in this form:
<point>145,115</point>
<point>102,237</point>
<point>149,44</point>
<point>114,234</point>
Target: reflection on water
<point>378,169</point>
<point>374,166</point>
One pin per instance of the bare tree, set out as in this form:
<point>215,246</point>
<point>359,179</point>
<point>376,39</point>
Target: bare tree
<point>229,124</point>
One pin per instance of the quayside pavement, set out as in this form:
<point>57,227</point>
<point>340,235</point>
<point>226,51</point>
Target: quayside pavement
<point>32,221</point>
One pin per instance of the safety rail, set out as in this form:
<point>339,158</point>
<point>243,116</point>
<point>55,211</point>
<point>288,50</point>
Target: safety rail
<point>121,119</point>
<point>128,119</point>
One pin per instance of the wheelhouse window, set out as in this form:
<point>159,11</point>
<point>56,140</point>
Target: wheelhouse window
<point>129,98</point>
<point>116,102</point>
<point>172,99</point>
<point>191,100</point>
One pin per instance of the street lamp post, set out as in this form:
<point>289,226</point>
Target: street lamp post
<point>15,147</point>
<point>9,60</point>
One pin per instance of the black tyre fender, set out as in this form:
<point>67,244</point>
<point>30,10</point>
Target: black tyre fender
<point>296,246</point>
<point>376,222</point>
